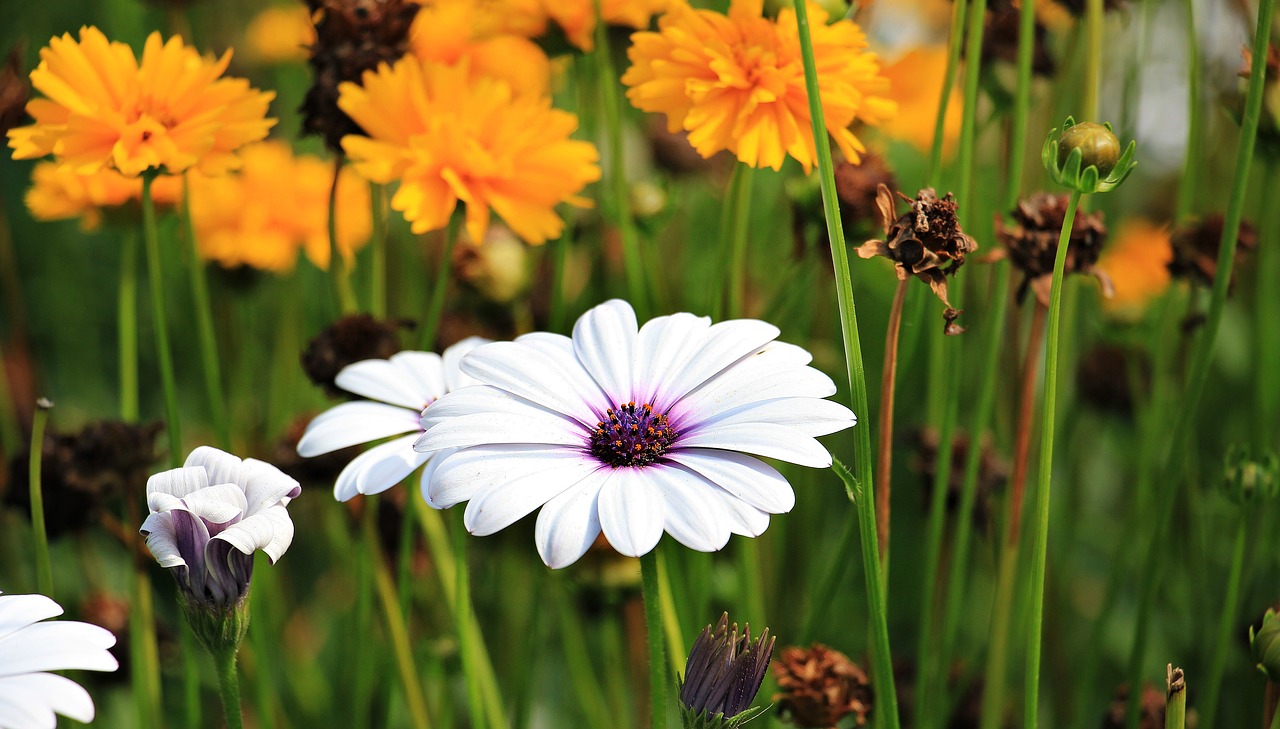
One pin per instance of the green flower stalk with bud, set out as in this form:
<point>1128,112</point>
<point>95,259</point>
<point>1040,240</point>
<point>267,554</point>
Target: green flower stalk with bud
<point>723,676</point>
<point>1265,647</point>
<point>1075,158</point>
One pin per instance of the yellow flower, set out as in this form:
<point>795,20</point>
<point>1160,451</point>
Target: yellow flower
<point>453,32</point>
<point>280,34</point>
<point>59,193</point>
<point>276,205</point>
<point>448,136</point>
<point>1137,262</point>
<point>736,82</point>
<point>915,82</point>
<point>106,109</point>
<point>578,17</point>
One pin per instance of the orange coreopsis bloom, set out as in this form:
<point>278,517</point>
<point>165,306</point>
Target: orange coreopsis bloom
<point>453,32</point>
<point>104,108</point>
<point>58,192</point>
<point>280,35</point>
<point>275,206</point>
<point>915,83</point>
<point>448,136</point>
<point>1137,262</point>
<point>578,17</point>
<point>736,81</point>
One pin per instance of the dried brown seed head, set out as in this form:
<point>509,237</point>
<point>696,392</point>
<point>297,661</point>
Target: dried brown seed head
<point>14,91</point>
<point>350,339</point>
<point>1196,246</point>
<point>1031,243</point>
<point>819,686</point>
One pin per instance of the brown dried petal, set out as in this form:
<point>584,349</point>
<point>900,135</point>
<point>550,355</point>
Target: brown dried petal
<point>819,686</point>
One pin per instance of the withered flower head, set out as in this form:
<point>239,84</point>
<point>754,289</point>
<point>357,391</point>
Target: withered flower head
<point>1031,243</point>
<point>1000,39</point>
<point>993,472</point>
<point>14,90</point>
<point>352,36</point>
<point>350,339</point>
<point>84,473</point>
<point>819,686</point>
<point>926,241</point>
<point>1196,246</point>
<point>1150,711</point>
<point>1107,375</point>
<point>723,675</point>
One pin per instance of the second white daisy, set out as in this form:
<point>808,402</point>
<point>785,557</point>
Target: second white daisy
<point>630,430</point>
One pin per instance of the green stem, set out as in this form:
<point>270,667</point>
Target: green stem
<point>204,326</point>
<point>343,295</point>
<point>44,568</point>
<point>1040,543</point>
<point>378,257</point>
<point>463,617</point>
<point>1093,63</point>
<point>127,327</point>
<point>884,451</point>
<point>738,240</point>
<point>142,627</point>
<point>1188,186</point>
<point>260,640</point>
<point>187,645</point>
<point>160,322</point>
<point>362,664</point>
<point>582,675</point>
<point>224,662</point>
<point>1001,628</point>
<point>398,633</point>
<point>653,625</point>
<point>969,120</point>
<point>1267,349</point>
<point>618,189</point>
<point>1021,106</point>
<point>954,45</point>
<point>560,251</point>
<point>1213,680</point>
<point>862,485</point>
<point>670,620</point>
<point>443,268</point>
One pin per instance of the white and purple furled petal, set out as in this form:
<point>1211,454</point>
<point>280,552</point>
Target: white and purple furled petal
<point>631,431</point>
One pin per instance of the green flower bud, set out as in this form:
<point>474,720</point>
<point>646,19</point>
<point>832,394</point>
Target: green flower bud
<point>1098,146</point>
<point>1247,479</point>
<point>1086,157</point>
<point>1265,645</point>
<point>219,629</point>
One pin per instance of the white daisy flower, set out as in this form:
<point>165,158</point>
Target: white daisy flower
<point>208,517</point>
<point>30,696</point>
<point>402,387</point>
<point>631,430</point>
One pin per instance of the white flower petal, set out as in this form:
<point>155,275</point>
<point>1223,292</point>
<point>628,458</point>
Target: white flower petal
<point>19,611</point>
<point>352,423</point>
<point>270,530</point>
<point>429,472</point>
<point>217,504</point>
<point>265,485</point>
<point>540,372</point>
<point>162,540</point>
<point>693,515</point>
<point>604,339</point>
<point>762,439</point>
<point>404,380</point>
<point>530,426</point>
<point>397,459</point>
<point>57,646</point>
<point>743,518</point>
<point>482,399</point>
<point>178,482</point>
<point>503,495</point>
<point>221,466</point>
<point>465,472</point>
<point>569,524</point>
<point>744,477</point>
<point>348,484</point>
<point>38,696</point>
<point>631,511</point>
<point>751,381</point>
<point>723,344</point>
<point>663,346</point>
<point>454,379</point>
<point>810,416</point>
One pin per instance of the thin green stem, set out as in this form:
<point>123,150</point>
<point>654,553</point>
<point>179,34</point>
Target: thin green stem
<point>618,189</point>
<point>653,625</point>
<point>1093,63</point>
<point>861,486</point>
<point>404,560</point>
<point>582,675</point>
<point>160,322</point>
<point>1267,305</point>
<point>188,646</point>
<point>397,631</point>
<point>1213,680</point>
<point>44,568</point>
<point>444,266</point>
<point>127,327</point>
<point>670,620</point>
<point>1021,106</point>
<point>142,627</point>
<point>204,325</point>
<point>954,45</point>
<point>343,296</point>
<point>260,639</point>
<point>969,120</point>
<point>998,652</point>
<point>463,617</point>
<point>224,662</point>
<point>1040,543</point>
<point>378,253</point>
<point>884,450</point>
<point>738,237</point>
<point>362,663</point>
<point>560,261</point>
<point>1188,186</point>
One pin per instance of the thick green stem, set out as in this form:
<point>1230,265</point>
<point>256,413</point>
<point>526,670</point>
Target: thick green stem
<point>653,626</point>
<point>343,295</point>
<point>44,568</point>
<point>1040,542</point>
<point>860,486</point>
<point>378,254</point>
<point>204,326</point>
<point>954,45</point>
<point>1223,643</point>
<point>224,662</point>
<point>444,267</point>
<point>160,322</point>
<point>127,327</point>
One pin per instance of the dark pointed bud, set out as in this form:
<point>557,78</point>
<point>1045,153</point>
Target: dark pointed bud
<point>723,676</point>
<point>1265,644</point>
<point>1098,146</point>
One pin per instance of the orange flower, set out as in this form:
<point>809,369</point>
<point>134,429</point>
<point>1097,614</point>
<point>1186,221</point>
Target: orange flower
<point>447,136</point>
<point>57,192</point>
<point>736,82</point>
<point>1137,261</point>
<point>104,108</point>
<point>280,35</point>
<point>578,17</point>
<point>915,82</point>
<point>276,205</point>
<point>452,32</point>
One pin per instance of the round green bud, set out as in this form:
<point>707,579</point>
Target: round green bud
<point>1265,644</point>
<point>1098,146</point>
<point>1248,479</point>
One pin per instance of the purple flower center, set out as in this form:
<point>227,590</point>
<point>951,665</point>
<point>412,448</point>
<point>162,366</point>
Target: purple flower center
<point>632,435</point>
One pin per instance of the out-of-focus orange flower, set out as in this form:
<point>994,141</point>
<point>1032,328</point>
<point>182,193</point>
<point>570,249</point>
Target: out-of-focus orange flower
<point>276,205</point>
<point>454,32</point>
<point>171,111</point>
<point>1137,262</point>
<point>447,136</point>
<point>578,17</point>
<point>736,81</point>
<point>915,83</point>
<point>58,192</point>
<point>280,34</point>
